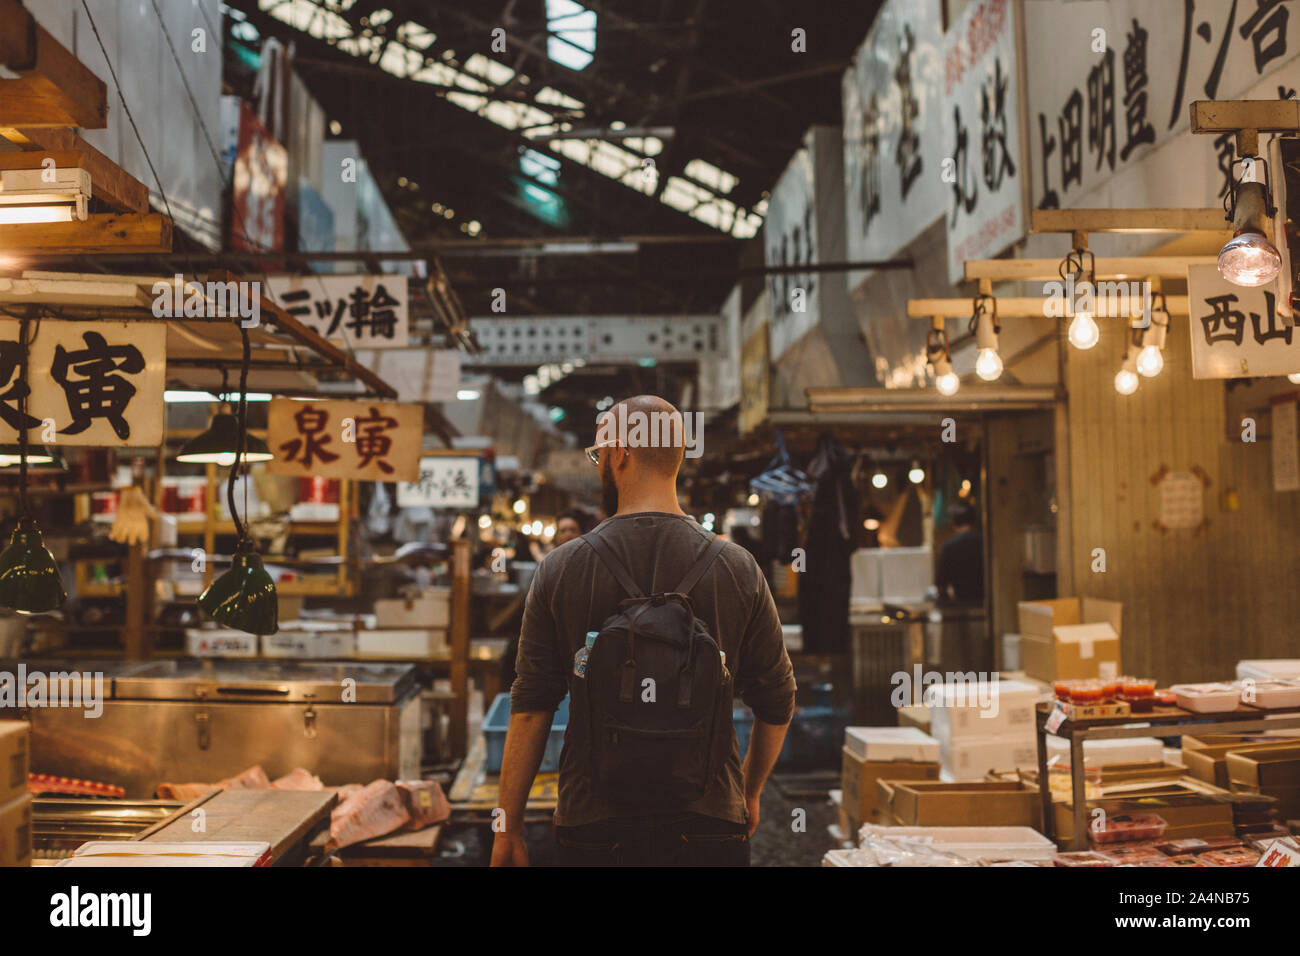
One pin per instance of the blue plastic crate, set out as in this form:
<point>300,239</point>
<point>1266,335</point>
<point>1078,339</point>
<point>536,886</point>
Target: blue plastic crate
<point>494,733</point>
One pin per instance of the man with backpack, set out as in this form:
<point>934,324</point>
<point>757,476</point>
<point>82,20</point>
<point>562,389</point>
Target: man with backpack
<point>651,624</point>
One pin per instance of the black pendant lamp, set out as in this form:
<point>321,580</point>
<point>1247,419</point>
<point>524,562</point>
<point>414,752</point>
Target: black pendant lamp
<point>218,444</point>
<point>244,597</point>
<point>30,581</point>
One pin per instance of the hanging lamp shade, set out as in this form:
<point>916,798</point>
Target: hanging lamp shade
<point>220,443</point>
<point>244,597</point>
<point>30,581</point>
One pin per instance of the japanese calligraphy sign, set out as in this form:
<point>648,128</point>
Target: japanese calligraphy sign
<point>366,441</point>
<point>981,143</point>
<point>893,186</point>
<point>90,383</point>
<point>1114,81</point>
<point>1235,330</point>
<point>445,481</point>
<point>363,311</point>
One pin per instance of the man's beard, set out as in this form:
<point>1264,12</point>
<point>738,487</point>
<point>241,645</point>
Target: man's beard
<point>608,490</point>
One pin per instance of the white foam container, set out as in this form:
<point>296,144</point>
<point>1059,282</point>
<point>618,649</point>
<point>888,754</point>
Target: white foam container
<point>1207,698</point>
<point>1269,693</point>
<point>1105,753</point>
<point>973,843</point>
<point>1273,668</point>
<point>891,743</point>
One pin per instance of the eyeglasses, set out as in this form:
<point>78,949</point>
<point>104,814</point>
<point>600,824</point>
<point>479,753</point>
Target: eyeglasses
<point>593,451</point>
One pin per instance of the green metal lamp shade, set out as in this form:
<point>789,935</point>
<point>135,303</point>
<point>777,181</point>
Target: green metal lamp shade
<point>30,581</point>
<point>244,597</point>
<point>220,443</point>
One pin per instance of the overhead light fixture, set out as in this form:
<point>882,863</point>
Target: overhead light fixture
<point>1126,379</point>
<point>936,351</point>
<point>1294,378</point>
<point>30,581</point>
<point>188,396</point>
<point>984,324</point>
<point>467,394</point>
<point>916,474</point>
<point>1083,332</point>
<point>879,480</point>
<point>245,596</point>
<point>32,196</point>
<point>1249,258</point>
<point>753,499</point>
<point>11,455</point>
<point>219,444</point>
<point>1151,358</point>
<point>484,522</point>
<point>520,506</point>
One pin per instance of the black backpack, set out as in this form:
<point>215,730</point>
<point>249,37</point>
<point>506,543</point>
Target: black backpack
<point>656,694</point>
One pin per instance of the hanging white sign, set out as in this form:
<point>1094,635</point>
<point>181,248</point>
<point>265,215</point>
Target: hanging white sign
<point>362,311</point>
<point>446,481</point>
<point>1236,331</point>
<point>980,140</point>
<point>91,383</point>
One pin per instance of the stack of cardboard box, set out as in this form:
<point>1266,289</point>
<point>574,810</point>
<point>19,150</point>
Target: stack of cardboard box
<point>983,726</point>
<point>1070,638</point>
<point>1274,772</point>
<point>873,753</point>
<point>15,801</point>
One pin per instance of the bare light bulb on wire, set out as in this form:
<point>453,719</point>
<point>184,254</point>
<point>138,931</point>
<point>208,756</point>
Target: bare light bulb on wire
<point>988,365</point>
<point>1150,361</point>
<point>1083,332</point>
<point>1126,379</point>
<point>1294,378</point>
<point>947,383</point>
<point>1248,258</point>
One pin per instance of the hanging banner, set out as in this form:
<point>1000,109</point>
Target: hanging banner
<point>257,186</point>
<point>361,311</point>
<point>1236,331</point>
<point>365,441</point>
<point>420,374</point>
<point>88,383</point>
<point>893,189</point>
<point>981,144</point>
<point>755,379</point>
<point>1119,84</point>
<point>444,481</point>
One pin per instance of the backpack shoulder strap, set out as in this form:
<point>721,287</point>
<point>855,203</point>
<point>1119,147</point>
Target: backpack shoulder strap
<point>701,565</point>
<point>612,563</point>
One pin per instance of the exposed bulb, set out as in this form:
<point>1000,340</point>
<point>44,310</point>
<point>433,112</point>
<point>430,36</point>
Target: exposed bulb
<point>916,475</point>
<point>1249,259</point>
<point>1126,381</point>
<point>1294,378</point>
<point>1150,361</point>
<point>1083,333</point>
<point>988,364</point>
<point>948,383</point>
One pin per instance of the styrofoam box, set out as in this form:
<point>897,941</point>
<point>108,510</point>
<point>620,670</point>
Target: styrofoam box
<point>401,643</point>
<point>309,644</point>
<point>981,709</point>
<point>973,843</point>
<point>971,758</point>
<point>1207,698</point>
<point>220,642</point>
<point>1106,753</point>
<point>841,858</point>
<point>891,743</point>
<point>1269,668</point>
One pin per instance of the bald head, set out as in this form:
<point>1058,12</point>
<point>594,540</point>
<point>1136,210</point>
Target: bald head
<point>645,439</point>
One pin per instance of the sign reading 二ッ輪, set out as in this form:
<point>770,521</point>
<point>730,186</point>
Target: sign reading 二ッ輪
<point>445,481</point>
<point>88,383</point>
<point>363,311</point>
<point>1236,330</point>
<point>366,441</point>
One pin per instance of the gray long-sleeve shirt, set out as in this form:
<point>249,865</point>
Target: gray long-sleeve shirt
<point>572,593</point>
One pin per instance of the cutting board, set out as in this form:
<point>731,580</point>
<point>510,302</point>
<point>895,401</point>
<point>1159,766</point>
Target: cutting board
<point>279,817</point>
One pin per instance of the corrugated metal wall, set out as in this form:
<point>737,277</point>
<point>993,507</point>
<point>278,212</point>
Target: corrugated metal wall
<point>1193,604</point>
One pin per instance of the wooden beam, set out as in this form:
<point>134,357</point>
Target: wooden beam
<point>970,398</point>
<point>1127,220</point>
<point>1021,307</point>
<point>1260,116</point>
<point>53,88</point>
<point>109,182</point>
<point>1135,267</point>
<point>104,234</point>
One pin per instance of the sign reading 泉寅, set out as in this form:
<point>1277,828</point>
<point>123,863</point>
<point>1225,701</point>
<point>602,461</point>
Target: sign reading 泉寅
<point>445,481</point>
<point>980,139</point>
<point>88,383</point>
<point>1236,331</point>
<point>363,311</point>
<point>365,441</point>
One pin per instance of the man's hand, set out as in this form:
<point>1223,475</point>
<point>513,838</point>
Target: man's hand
<point>751,814</point>
<point>509,849</point>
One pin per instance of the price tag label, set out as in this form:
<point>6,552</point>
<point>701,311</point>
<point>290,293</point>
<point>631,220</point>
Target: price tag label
<point>1057,717</point>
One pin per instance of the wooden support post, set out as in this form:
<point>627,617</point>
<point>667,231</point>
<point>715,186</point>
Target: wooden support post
<point>459,634</point>
<point>53,88</point>
<point>137,595</point>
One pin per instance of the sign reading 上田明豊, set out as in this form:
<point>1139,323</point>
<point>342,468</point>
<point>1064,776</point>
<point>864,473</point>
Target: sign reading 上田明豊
<point>363,311</point>
<point>88,383</point>
<point>980,140</point>
<point>1236,331</point>
<point>445,481</point>
<point>365,441</point>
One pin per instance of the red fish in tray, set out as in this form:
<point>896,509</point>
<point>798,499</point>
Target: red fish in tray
<point>44,783</point>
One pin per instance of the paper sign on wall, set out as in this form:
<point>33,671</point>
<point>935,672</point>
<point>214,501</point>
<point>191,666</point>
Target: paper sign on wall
<point>1236,330</point>
<point>444,481</point>
<point>364,311</point>
<point>1182,500</point>
<point>367,441</point>
<point>91,383</point>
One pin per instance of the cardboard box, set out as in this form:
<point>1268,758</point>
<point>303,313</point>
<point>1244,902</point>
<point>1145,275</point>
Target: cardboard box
<point>891,743</point>
<point>410,644</point>
<point>1070,638</point>
<point>16,832</point>
<point>15,745</point>
<point>860,797</point>
<point>981,709</point>
<point>989,804</point>
<point>1273,772</point>
<point>972,758</point>
<point>915,715</point>
<point>1189,812</point>
<point>1209,763</point>
<point>432,608</point>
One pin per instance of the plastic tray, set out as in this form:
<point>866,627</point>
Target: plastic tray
<point>974,843</point>
<point>1274,693</point>
<point>1125,827</point>
<point>494,734</point>
<point>1082,858</point>
<point>1207,698</point>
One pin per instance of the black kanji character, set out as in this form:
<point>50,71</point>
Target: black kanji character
<point>1101,109</point>
<point>1270,16</point>
<point>97,394</point>
<point>1050,199</point>
<point>869,178</point>
<point>1214,324</point>
<point>311,424</point>
<point>294,296</point>
<point>1070,124</point>
<point>332,312</point>
<point>1269,328</point>
<point>963,198</point>
<point>1137,131</point>
<point>993,130</point>
<point>374,313</point>
<point>371,441</point>
<point>10,356</point>
<point>907,154</point>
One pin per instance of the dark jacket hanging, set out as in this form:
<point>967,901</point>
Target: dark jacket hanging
<point>825,584</point>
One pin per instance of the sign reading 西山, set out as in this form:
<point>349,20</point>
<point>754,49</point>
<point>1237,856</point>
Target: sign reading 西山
<point>1116,82</point>
<point>980,142</point>
<point>88,383</point>
<point>1236,331</point>
<point>893,187</point>
<point>366,441</point>
<point>363,311</point>
<point>445,481</point>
